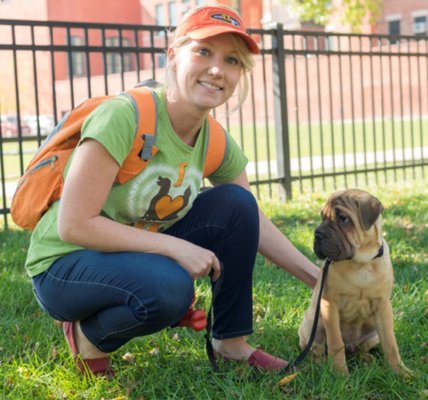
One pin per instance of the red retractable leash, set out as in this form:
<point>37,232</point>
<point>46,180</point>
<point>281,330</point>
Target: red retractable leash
<point>194,319</point>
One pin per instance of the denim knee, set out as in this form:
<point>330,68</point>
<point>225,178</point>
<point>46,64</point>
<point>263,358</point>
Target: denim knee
<point>166,305</point>
<point>240,201</point>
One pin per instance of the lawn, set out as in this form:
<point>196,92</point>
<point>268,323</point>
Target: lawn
<point>311,140</point>
<point>35,363</point>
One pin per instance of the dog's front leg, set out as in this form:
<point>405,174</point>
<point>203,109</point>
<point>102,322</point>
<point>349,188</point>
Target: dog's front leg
<point>335,346</point>
<point>385,328</point>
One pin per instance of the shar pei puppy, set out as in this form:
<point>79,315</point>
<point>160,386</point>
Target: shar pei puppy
<point>356,311</point>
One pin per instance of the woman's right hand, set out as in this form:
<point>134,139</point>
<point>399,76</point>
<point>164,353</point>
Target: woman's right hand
<point>196,260</point>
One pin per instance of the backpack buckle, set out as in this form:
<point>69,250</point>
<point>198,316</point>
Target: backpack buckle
<point>146,151</point>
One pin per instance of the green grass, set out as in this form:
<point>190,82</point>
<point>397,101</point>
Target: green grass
<point>333,138</point>
<point>35,362</point>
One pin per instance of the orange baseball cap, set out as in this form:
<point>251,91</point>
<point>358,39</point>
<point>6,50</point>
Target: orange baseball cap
<point>211,21</point>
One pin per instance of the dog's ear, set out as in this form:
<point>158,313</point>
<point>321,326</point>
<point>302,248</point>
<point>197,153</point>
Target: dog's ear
<point>370,208</point>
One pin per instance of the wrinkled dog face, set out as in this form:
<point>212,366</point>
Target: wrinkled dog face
<point>348,225</point>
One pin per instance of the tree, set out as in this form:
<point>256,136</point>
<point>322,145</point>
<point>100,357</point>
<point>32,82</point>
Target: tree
<point>354,12</point>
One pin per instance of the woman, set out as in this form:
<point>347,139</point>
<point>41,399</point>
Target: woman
<point>90,263</point>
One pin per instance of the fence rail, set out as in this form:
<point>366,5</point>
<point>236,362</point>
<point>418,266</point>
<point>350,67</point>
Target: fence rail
<point>324,110</point>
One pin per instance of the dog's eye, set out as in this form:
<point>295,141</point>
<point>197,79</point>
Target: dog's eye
<point>343,218</point>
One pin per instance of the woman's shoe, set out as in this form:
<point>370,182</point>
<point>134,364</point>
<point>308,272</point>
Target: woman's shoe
<point>261,361</point>
<point>96,366</point>
<point>266,362</point>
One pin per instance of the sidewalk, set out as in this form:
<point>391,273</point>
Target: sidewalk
<point>339,161</point>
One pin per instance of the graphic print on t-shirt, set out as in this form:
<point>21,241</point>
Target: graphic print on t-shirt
<point>162,194</point>
<point>163,207</point>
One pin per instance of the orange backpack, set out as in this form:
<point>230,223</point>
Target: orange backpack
<point>43,180</point>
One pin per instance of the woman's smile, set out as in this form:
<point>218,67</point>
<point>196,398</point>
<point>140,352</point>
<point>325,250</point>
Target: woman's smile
<point>210,85</point>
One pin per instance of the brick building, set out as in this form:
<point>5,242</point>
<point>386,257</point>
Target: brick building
<point>409,17</point>
<point>398,17</point>
<point>134,12</point>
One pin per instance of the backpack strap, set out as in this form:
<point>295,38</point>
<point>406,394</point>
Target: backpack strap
<point>216,148</point>
<point>143,148</point>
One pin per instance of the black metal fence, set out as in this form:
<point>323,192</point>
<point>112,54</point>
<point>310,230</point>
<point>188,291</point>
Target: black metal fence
<point>324,110</point>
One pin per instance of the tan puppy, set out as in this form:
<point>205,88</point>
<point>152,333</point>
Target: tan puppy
<point>356,310</point>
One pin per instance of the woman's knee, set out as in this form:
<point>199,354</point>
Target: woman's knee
<point>236,199</point>
<point>242,206</point>
<point>166,304</point>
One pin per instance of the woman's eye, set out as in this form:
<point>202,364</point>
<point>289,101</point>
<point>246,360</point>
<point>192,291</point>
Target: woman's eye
<point>232,61</point>
<point>203,51</point>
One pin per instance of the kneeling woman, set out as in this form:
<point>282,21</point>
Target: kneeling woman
<point>119,261</point>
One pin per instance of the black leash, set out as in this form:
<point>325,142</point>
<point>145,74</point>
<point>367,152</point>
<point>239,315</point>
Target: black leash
<point>208,336</point>
<point>299,358</point>
<point>308,346</point>
<point>305,351</point>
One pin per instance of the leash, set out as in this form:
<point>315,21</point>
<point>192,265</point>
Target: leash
<point>208,335</point>
<point>299,358</point>
<point>308,346</point>
<point>305,351</point>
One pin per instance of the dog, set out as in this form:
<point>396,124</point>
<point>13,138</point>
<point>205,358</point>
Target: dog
<point>356,312</point>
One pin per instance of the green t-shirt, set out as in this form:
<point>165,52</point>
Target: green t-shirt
<point>156,198</point>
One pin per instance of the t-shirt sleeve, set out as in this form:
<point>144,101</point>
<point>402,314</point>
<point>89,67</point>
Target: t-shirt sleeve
<point>233,164</point>
<point>113,124</point>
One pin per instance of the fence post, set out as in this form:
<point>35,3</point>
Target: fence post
<point>280,112</point>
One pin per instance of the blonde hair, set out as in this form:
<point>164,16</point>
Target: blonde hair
<point>244,55</point>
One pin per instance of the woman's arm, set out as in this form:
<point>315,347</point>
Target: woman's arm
<point>274,245</point>
<point>88,184</point>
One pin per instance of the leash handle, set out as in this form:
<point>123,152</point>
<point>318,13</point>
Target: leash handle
<point>308,346</point>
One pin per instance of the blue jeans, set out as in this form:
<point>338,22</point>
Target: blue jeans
<point>119,296</point>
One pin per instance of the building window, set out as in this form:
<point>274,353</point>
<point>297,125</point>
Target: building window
<point>114,60</point>
<point>172,13</point>
<point>420,25</point>
<point>394,29</point>
<point>77,58</point>
<point>159,18</point>
<point>185,6</point>
<point>161,60</point>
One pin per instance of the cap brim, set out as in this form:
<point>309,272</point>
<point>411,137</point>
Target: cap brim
<point>210,31</point>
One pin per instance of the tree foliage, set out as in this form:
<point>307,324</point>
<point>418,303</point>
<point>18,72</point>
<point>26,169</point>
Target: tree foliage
<point>353,12</point>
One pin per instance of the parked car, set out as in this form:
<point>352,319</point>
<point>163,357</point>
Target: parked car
<point>9,126</point>
<point>46,123</point>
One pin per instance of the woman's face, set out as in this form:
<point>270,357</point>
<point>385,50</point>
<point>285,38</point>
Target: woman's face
<point>206,72</point>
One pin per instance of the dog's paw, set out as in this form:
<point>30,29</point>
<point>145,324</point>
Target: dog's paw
<point>318,352</point>
<point>366,357</point>
<point>405,372</point>
<point>341,369</point>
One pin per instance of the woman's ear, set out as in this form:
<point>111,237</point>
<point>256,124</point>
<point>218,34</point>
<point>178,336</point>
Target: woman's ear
<point>170,53</point>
